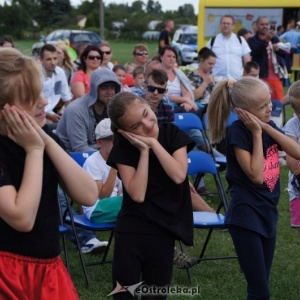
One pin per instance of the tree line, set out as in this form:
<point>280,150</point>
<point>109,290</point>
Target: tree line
<point>30,18</point>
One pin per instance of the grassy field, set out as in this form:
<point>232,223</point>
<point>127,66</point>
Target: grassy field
<point>122,51</point>
<point>216,280</point>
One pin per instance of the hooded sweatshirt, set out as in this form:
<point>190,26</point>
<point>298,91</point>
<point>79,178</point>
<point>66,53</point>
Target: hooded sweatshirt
<point>76,128</point>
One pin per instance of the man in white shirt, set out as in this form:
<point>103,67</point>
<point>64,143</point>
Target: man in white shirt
<point>55,84</point>
<point>232,51</point>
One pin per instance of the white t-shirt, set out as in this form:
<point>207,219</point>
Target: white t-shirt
<point>174,88</point>
<point>229,52</point>
<point>292,128</point>
<point>96,166</point>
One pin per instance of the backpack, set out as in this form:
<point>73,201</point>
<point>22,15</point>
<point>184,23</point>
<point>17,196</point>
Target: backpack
<point>212,41</point>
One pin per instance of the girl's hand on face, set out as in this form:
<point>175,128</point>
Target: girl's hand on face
<point>20,129</point>
<point>45,137</point>
<point>141,142</point>
<point>251,122</point>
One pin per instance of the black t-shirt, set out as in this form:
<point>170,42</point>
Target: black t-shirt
<point>165,36</point>
<point>167,206</point>
<point>253,206</point>
<point>43,240</point>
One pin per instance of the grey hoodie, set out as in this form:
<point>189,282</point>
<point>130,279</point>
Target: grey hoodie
<point>76,128</point>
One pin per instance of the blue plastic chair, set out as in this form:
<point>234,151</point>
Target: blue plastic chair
<point>187,121</point>
<point>201,162</point>
<point>62,231</point>
<point>81,220</point>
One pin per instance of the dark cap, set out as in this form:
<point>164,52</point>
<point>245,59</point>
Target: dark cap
<point>112,83</point>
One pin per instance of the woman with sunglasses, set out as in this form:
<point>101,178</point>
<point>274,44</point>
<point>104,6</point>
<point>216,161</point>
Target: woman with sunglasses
<point>91,59</point>
<point>107,55</point>
<point>140,54</point>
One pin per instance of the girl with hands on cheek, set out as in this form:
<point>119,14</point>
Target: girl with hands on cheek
<point>252,145</point>
<point>156,209</point>
<point>31,163</point>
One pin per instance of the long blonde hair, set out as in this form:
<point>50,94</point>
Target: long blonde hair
<point>20,78</point>
<point>67,62</point>
<point>243,94</point>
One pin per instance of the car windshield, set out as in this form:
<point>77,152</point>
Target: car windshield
<point>85,37</point>
<point>188,38</point>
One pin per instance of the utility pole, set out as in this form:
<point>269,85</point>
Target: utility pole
<point>101,17</point>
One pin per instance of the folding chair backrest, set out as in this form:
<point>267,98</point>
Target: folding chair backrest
<point>201,162</point>
<point>80,157</point>
<point>186,121</point>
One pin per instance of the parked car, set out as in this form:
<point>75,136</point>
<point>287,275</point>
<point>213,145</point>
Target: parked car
<point>73,37</point>
<point>185,43</point>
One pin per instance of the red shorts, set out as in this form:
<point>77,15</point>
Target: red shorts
<point>276,88</point>
<point>295,212</point>
<point>29,278</point>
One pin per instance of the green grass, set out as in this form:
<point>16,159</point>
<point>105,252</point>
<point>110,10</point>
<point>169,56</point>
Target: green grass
<point>122,50</point>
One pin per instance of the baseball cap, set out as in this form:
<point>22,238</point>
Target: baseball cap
<point>103,130</point>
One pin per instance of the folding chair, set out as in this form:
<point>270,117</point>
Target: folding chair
<point>62,231</point>
<point>80,220</point>
<point>200,162</point>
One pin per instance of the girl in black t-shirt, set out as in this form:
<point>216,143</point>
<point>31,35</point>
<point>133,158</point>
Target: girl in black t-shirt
<point>252,145</point>
<point>30,163</point>
<point>156,208</point>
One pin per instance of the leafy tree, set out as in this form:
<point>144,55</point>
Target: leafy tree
<point>14,20</point>
<point>154,8</point>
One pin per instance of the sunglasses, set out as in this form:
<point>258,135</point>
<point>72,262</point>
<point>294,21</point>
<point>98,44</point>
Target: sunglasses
<point>141,53</point>
<point>106,52</point>
<point>152,89</point>
<point>92,57</point>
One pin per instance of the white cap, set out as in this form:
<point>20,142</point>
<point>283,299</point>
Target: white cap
<point>103,130</point>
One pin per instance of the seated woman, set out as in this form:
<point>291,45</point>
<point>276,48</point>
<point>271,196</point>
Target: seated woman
<point>64,60</point>
<point>90,59</point>
<point>202,79</point>
<point>179,87</point>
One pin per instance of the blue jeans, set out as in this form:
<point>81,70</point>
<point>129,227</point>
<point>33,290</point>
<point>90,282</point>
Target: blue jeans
<point>83,234</point>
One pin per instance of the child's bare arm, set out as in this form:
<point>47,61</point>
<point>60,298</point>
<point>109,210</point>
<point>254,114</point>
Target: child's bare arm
<point>19,208</point>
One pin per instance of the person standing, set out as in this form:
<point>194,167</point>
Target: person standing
<point>264,49</point>
<point>291,36</point>
<point>165,37</point>
<point>156,209</point>
<point>253,174</point>
<point>32,164</point>
<point>232,51</point>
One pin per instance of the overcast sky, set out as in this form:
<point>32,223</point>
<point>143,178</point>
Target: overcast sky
<point>166,4</point>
